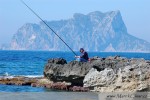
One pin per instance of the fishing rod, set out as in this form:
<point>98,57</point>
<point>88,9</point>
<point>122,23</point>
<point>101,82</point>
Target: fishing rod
<point>48,26</point>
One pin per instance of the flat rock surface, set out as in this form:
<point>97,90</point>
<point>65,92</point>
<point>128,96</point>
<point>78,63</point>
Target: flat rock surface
<point>19,80</point>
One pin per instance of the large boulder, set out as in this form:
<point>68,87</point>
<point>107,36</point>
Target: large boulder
<point>73,72</point>
<point>102,74</point>
<point>133,77</point>
<point>59,70</point>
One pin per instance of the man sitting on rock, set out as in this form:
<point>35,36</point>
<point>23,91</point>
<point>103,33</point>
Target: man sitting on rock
<point>83,57</point>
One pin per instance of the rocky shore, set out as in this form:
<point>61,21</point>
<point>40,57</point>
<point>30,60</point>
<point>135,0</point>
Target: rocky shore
<point>18,80</point>
<point>41,82</point>
<point>111,74</point>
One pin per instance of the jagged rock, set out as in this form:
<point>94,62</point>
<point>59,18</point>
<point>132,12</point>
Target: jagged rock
<point>73,72</point>
<point>96,78</point>
<point>130,77</point>
<point>102,74</point>
<point>57,61</point>
<point>143,85</point>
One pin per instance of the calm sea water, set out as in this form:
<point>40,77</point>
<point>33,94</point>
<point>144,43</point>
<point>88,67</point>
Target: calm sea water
<point>31,63</point>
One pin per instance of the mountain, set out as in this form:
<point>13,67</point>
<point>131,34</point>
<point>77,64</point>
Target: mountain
<point>95,31</point>
<point>4,46</point>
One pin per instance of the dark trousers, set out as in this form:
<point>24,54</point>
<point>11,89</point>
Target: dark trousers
<point>81,60</point>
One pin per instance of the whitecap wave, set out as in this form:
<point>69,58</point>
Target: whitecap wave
<point>32,76</point>
<point>6,75</point>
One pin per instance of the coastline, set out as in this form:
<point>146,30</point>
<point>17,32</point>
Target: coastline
<point>32,63</point>
<point>109,74</point>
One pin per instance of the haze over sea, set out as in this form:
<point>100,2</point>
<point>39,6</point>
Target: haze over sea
<point>31,64</point>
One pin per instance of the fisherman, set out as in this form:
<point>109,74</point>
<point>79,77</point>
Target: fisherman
<point>83,57</point>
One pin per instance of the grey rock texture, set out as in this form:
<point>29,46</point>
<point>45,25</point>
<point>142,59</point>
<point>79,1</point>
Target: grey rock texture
<point>132,77</point>
<point>109,74</point>
<point>73,72</point>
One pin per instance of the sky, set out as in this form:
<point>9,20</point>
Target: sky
<point>13,14</point>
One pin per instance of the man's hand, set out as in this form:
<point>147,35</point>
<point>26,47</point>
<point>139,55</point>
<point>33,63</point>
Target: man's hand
<point>77,56</point>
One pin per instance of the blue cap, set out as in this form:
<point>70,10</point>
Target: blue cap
<point>81,49</point>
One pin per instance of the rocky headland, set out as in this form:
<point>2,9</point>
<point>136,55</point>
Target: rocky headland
<point>111,74</point>
<point>100,32</point>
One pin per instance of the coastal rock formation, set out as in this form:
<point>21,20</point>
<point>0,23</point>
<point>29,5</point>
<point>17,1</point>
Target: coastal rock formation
<point>135,76</point>
<point>73,72</point>
<point>41,82</point>
<point>18,80</point>
<point>109,74</point>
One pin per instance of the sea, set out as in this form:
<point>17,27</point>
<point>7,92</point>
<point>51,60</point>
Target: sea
<point>31,64</point>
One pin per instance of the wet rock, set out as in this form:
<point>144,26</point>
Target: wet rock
<point>52,85</point>
<point>42,82</point>
<point>18,80</point>
<point>79,89</point>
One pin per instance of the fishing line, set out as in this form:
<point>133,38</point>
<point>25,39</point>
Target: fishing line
<point>48,26</point>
